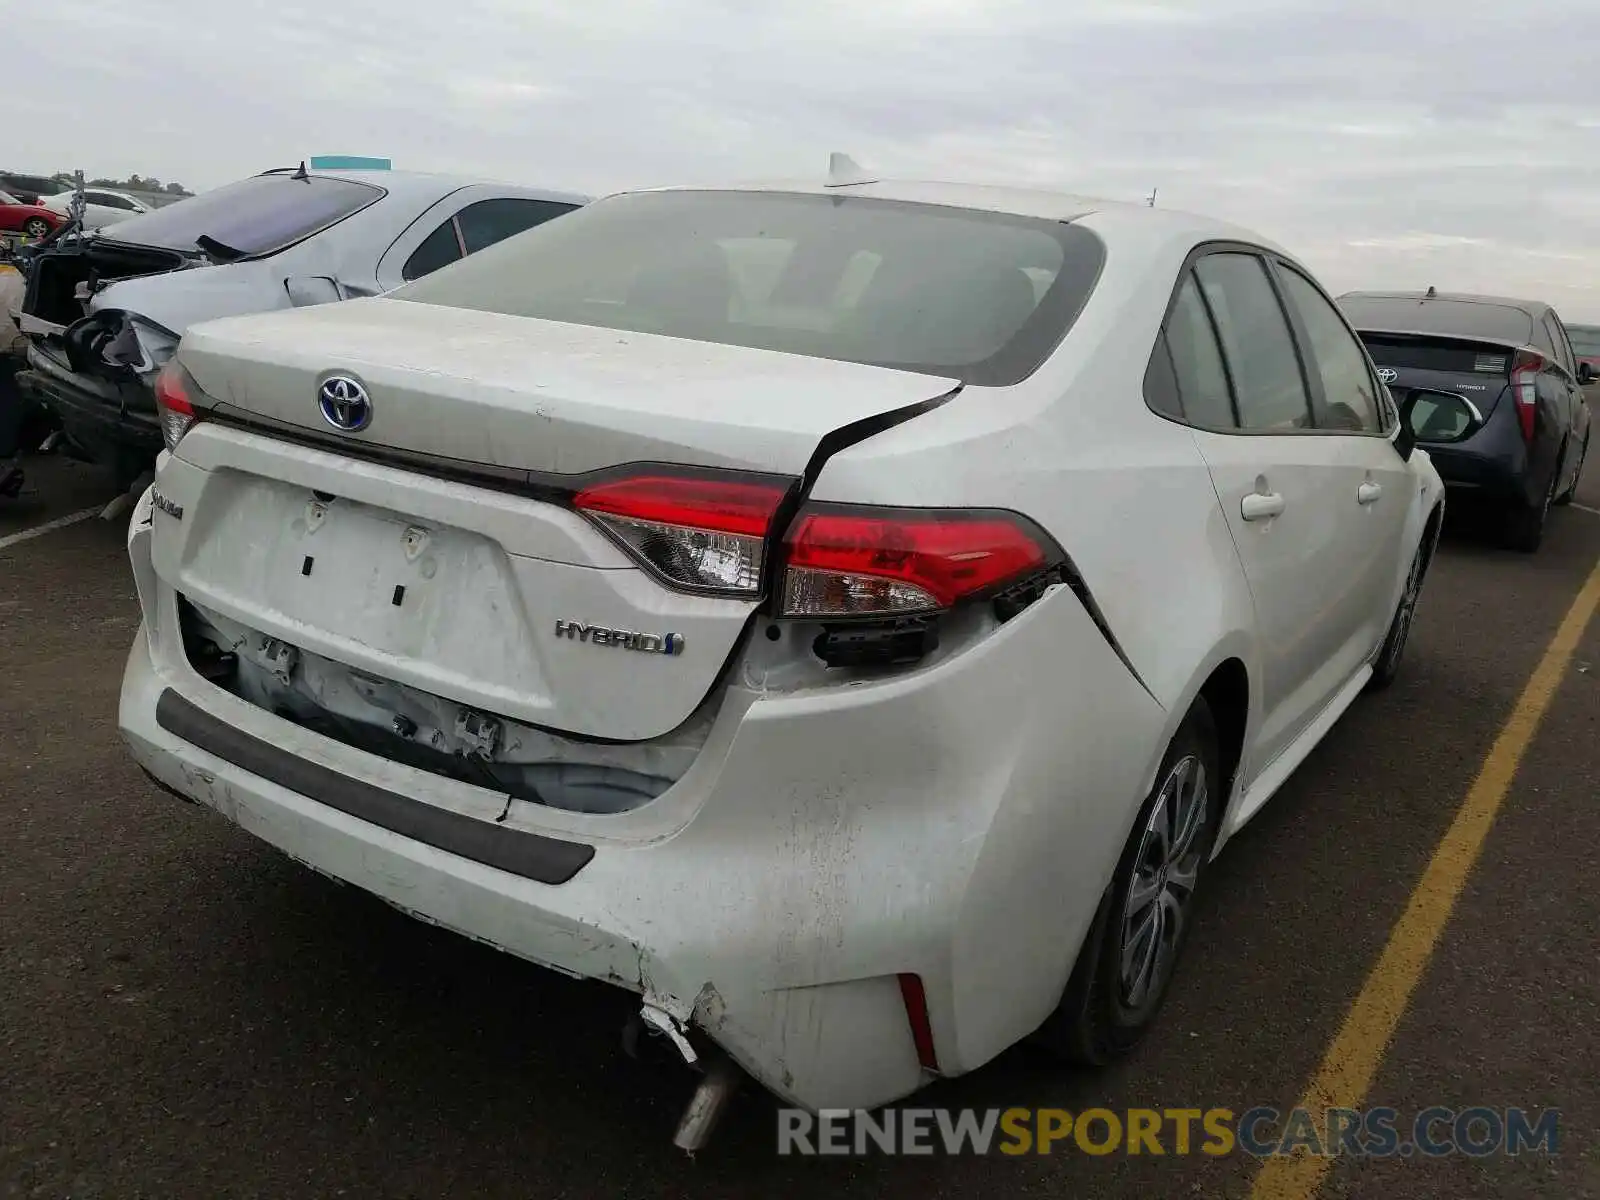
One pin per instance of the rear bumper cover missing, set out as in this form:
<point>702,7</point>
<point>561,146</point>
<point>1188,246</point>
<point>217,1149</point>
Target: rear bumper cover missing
<point>516,851</point>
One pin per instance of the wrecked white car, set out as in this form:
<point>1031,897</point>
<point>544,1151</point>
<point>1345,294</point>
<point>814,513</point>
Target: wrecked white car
<point>104,311</point>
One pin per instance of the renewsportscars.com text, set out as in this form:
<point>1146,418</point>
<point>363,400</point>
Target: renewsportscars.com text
<point>1262,1132</point>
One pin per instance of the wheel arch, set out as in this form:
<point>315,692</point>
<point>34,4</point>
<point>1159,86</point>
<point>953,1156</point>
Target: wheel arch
<point>1227,680</point>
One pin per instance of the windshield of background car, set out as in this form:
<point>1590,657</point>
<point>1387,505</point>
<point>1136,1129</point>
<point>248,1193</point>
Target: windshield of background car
<point>254,216</point>
<point>978,296</point>
<point>1457,318</point>
<point>1585,340</point>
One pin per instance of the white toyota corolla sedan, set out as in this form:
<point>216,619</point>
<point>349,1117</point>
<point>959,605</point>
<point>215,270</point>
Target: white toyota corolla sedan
<point>849,615</point>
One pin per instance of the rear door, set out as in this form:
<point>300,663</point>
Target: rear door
<point>1356,414</point>
<point>1284,489</point>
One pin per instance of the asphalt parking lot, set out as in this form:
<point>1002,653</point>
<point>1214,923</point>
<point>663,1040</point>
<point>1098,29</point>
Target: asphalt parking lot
<point>183,1012</point>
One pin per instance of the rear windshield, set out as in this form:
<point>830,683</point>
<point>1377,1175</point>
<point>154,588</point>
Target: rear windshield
<point>976,296</point>
<point>31,183</point>
<point>1437,354</point>
<point>254,216</point>
<point>1463,318</point>
<point>1585,340</point>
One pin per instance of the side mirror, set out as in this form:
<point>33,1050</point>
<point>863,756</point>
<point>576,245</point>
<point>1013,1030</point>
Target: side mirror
<point>1428,416</point>
<point>1585,374</point>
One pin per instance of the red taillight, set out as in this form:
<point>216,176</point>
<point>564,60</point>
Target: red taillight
<point>843,562</point>
<point>700,532</point>
<point>916,1002</point>
<point>1525,372</point>
<point>175,392</point>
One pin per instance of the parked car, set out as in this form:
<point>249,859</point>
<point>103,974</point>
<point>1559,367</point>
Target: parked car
<point>30,220</point>
<point>1523,447</point>
<point>1586,345</point>
<point>850,616</point>
<point>101,206</point>
<point>104,311</point>
<point>30,189</point>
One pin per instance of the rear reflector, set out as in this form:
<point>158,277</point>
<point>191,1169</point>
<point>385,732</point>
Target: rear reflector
<point>697,532</point>
<point>915,997</point>
<point>175,392</point>
<point>842,562</point>
<point>1525,374</point>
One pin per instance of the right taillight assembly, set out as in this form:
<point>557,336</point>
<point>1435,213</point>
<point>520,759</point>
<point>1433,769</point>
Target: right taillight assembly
<point>1525,371</point>
<point>875,578</point>
<point>845,563</point>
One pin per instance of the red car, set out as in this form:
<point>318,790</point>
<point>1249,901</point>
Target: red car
<point>33,220</point>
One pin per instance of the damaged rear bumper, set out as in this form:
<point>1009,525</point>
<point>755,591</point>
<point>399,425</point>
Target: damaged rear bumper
<point>827,843</point>
<point>586,910</point>
<point>113,421</point>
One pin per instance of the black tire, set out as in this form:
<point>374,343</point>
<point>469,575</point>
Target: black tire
<point>1387,665</point>
<point>1567,496</point>
<point>36,227</point>
<point>1524,526</point>
<point>1100,1018</point>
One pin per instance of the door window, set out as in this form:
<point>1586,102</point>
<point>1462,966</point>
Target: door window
<point>1256,343</point>
<point>1349,400</point>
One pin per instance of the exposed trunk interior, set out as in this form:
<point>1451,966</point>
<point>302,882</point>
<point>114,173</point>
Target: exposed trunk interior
<point>57,275</point>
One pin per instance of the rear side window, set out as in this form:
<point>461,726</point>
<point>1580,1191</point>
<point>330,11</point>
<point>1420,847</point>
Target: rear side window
<point>1197,366</point>
<point>977,296</point>
<point>490,221</point>
<point>477,227</point>
<point>1256,343</point>
<point>439,249</point>
<point>1559,340</point>
<point>253,217</point>
<point>1349,394</point>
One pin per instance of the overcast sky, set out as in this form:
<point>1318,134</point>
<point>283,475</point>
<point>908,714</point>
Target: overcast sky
<point>1400,144</point>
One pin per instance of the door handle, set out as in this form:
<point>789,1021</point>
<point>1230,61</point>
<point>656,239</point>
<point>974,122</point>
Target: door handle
<point>1258,506</point>
<point>1368,492</point>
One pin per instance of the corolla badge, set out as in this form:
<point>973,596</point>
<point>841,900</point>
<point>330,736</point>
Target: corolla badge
<point>1388,374</point>
<point>344,403</point>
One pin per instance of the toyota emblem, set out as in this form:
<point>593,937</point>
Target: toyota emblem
<point>344,403</point>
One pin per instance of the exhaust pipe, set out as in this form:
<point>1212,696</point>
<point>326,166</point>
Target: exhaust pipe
<point>719,1080</point>
<point>710,1100</point>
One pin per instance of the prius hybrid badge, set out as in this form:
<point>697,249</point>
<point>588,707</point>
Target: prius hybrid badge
<point>344,403</point>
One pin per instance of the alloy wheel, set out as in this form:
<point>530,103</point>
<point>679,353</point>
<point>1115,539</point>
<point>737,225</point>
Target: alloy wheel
<point>1408,607</point>
<point>1164,876</point>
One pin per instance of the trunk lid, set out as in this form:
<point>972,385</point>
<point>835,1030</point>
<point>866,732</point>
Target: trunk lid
<point>467,592</point>
<point>512,392</point>
<point>1476,368</point>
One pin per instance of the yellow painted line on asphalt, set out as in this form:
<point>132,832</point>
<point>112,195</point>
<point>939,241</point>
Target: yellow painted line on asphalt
<point>1353,1058</point>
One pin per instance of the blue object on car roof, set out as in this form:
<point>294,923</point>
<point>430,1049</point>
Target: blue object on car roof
<point>348,162</point>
